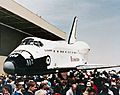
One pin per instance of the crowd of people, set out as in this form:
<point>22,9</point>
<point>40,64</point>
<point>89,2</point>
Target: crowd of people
<point>74,82</point>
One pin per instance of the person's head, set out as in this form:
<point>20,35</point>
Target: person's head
<point>11,79</point>
<point>45,77</point>
<point>74,87</point>
<point>6,90</point>
<point>43,86</point>
<point>63,82</point>
<point>32,86</point>
<point>19,87</point>
<point>92,92</point>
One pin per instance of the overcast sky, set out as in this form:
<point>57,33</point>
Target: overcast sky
<point>98,23</point>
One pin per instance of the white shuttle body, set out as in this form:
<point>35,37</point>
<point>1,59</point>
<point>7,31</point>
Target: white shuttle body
<point>39,56</point>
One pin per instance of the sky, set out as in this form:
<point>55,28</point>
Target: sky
<point>98,24</point>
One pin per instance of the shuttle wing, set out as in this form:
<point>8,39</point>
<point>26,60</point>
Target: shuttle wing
<point>84,67</point>
<point>91,67</point>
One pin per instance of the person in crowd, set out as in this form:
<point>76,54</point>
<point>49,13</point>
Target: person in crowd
<point>88,88</point>
<point>106,91</point>
<point>25,85</point>
<point>88,83</point>
<point>92,92</point>
<point>42,90</point>
<point>6,90</point>
<point>114,88</point>
<point>95,88</point>
<point>31,88</point>
<point>19,90</point>
<point>11,83</point>
<point>9,88</point>
<point>80,88</point>
<point>62,87</point>
<point>72,90</point>
<point>1,85</point>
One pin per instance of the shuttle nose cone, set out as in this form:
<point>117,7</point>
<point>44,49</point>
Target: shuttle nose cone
<point>9,67</point>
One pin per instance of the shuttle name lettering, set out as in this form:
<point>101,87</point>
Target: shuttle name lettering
<point>74,59</point>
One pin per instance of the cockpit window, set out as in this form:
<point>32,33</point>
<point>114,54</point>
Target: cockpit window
<point>31,41</point>
<point>38,43</point>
